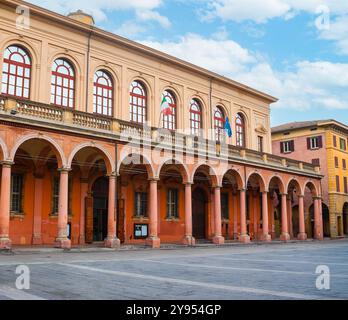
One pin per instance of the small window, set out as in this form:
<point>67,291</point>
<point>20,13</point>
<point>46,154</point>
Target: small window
<point>338,187</point>
<point>140,204</point>
<point>336,162</point>
<point>55,195</point>
<point>16,193</point>
<point>344,164</point>
<point>334,141</point>
<point>224,206</point>
<point>172,203</point>
<point>287,146</point>
<point>314,143</point>
<point>316,162</point>
<point>260,144</point>
<point>345,185</point>
<point>343,145</point>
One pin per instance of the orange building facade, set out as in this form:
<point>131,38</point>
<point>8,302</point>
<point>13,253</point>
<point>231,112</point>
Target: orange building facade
<point>87,155</point>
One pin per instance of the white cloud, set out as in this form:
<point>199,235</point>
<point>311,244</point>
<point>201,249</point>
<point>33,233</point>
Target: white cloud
<point>338,32</point>
<point>309,85</point>
<point>99,8</point>
<point>222,56</point>
<point>262,11</point>
<point>130,29</point>
<point>148,15</point>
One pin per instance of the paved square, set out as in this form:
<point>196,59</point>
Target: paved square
<point>270,271</point>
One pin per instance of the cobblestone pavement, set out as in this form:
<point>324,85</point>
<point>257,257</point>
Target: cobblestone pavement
<point>269,271</point>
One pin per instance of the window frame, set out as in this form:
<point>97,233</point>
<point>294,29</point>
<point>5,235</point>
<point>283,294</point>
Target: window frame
<point>219,124</point>
<point>25,66</point>
<point>169,122</point>
<point>240,131</point>
<point>20,194</point>
<point>107,93</point>
<point>172,203</point>
<point>140,205</point>
<point>138,102</point>
<point>58,84</point>
<point>196,117</point>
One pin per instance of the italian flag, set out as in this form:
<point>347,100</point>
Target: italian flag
<point>165,107</point>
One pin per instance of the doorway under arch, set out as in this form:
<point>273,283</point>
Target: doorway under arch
<point>199,216</point>
<point>326,220</point>
<point>345,219</point>
<point>100,191</point>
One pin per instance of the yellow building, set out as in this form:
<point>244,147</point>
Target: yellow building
<point>324,143</point>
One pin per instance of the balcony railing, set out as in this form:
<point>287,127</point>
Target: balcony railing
<point>128,131</point>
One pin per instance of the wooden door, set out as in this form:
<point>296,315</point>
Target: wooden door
<point>199,214</point>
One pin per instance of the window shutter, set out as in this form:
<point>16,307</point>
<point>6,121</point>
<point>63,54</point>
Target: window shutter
<point>336,162</point>
<point>320,142</point>
<point>338,184</point>
<point>335,141</point>
<point>309,143</point>
<point>292,144</point>
<point>282,147</point>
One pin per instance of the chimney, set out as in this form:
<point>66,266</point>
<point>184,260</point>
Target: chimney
<point>80,16</point>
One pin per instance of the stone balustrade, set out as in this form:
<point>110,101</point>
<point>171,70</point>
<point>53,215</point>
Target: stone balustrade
<point>127,131</point>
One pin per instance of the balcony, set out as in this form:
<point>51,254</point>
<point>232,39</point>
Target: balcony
<point>48,116</point>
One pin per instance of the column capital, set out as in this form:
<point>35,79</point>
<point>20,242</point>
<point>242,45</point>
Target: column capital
<point>216,187</point>
<point>152,180</point>
<point>65,170</point>
<point>7,163</point>
<point>112,175</point>
<point>188,184</point>
<point>300,196</point>
<point>242,189</point>
<point>265,192</point>
<point>317,198</point>
<point>283,194</point>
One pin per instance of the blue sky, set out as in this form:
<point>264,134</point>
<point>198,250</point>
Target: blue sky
<point>296,50</point>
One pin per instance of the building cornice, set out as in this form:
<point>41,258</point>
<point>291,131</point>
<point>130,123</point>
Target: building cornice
<point>88,29</point>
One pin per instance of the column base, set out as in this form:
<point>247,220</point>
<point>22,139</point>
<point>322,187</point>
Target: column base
<point>302,236</point>
<point>37,241</point>
<point>153,242</point>
<point>112,243</point>
<point>218,240</point>
<point>189,241</point>
<point>5,244</point>
<point>82,240</point>
<point>266,238</point>
<point>63,243</point>
<point>244,238</point>
<point>285,237</point>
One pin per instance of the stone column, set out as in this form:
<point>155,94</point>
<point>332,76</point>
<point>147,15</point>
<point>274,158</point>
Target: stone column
<point>265,231</point>
<point>37,222</point>
<point>218,238</point>
<point>272,225</point>
<point>62,240</point>
<point>289,209</point>
<point>244,237</point>
<point>83,195</point>
<point>188,239</point>
<point>5,242</point>
<point>153,239</point>
<point>285,231</point>
<point>317,228</point>
<point>321,217</point>
<point>111,241</point>
<point>302,226</point>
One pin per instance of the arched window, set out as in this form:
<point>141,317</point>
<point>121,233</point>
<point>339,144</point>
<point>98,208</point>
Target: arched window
<point>219,123</point>
<point>16,72</point>
<point>103,94</point>
<point>137,102</point>
<point>63,84</point>
<point>195,117</point>
<point>169,120</point>
<point>240,130</point>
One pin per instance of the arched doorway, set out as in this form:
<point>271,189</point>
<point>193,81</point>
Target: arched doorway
<point>295,220</point>
<point>345,219</point>
<point>326,220</point>
<point>100,192</point>
<point>199,214</point>
<point>310,222</point>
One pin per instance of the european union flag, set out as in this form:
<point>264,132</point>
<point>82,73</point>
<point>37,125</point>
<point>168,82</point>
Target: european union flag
<point>228,128</point>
